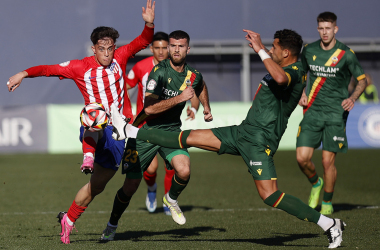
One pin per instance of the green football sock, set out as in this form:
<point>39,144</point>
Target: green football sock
<point>120,203</point>
<point>178,185</point>
<point>327,197</point>
<point>314,180</point>
<point>164,138</point>
<point>292,205</point>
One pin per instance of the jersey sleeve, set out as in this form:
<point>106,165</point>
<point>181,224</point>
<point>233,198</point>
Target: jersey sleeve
<point>198,81</point>
<point>139,43</point>
<point>354,65</point>
<point>67,70</point>
<point>155,82</point>
<point>293,75</point>
<point>132,78</point>
<point>305,66</point>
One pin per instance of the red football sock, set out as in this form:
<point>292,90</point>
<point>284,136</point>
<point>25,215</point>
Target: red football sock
<point>150,179</point>
<point>75,211</point>
<point>89,142</point>
<point>168,179</point>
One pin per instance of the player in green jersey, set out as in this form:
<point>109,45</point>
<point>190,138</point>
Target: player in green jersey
<point>326,105</point>
<point>170,84</point>
<point>256,139</point>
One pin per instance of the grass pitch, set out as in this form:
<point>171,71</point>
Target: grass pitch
<point>221,204</point>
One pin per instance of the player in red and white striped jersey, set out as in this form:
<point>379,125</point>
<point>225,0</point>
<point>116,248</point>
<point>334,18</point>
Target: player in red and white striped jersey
<point>100,78</point>
<point>138,75</point>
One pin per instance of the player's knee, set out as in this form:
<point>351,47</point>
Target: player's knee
<point>328,164</point>
<point>302,160</point>
<point>183,173</point>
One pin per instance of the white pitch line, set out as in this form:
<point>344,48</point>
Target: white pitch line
<point>193,210</point>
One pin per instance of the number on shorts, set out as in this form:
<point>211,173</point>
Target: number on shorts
<point>131,156</point>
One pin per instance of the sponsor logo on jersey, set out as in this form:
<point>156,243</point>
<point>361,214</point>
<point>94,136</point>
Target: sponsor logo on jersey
<point>156,68</point>
<point>324,69</point>
<point>255,163</point>
<point>169,80</point>
<point>369,126</point>
<point>336,138</point>
<point>314,57</point>
<point>169,93</point>
<point>259,171</point>
<point>64,64</point>
<point>151,84</point>
<point>295,67</point>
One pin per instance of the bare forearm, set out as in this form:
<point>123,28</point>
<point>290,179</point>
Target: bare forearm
<point>159,106</point>
<point>360,87</point>
<point>203,97</point>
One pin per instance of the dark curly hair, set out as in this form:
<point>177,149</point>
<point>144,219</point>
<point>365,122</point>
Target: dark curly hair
<point>289,39</point>
<point>101,32</point>
<point>160,36</point>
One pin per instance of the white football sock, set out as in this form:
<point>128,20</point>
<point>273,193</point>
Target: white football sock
<point>325,222</point>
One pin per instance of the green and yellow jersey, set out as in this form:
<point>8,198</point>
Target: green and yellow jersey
<point>165,83</point>
<point>272,106</point>
<point>330,72</point>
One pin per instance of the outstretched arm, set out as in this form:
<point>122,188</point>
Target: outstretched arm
<point>275,70</point>
<point>349,103</point>
<point>15,81</point>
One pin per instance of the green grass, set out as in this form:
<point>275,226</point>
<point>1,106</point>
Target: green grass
<point>221,204</point>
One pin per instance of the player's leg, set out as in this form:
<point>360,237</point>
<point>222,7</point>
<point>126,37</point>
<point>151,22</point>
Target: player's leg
<point>169,173</point>
<point>309,137</point>
<point>89,142</point>
<point>304,155</point>
<point>120,204</point>
<point>85,195</point>
<point>334,141</point>
<point>136,159</point>
<point>330,174</point>
<point>150,179</point>
<point>180,160</point>
<point>292,205</point>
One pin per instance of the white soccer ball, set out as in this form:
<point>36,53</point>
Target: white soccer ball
<point>94,117</point>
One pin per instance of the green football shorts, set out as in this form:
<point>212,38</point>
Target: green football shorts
<point>332,135</point>
<point>258,157</point>
<point>139,154</point>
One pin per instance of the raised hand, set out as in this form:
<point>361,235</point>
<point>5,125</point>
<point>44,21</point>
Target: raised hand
<point>254,39</point>
<point>148,12</point>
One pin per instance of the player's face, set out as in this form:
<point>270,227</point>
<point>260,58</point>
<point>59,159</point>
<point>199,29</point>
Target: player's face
<point>327,31</point>
<point>159,50</point>
<point>178,49</point>
<point>104,51</point>
<point>276,52</point>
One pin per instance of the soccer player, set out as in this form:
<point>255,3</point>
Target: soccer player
<point>256,139</point>
<point>170,84</point>
<point>138,75</point>
<point>326,104</point>
<point>100,78</point>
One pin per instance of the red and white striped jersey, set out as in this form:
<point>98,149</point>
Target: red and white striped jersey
<point>138,75</point>
<point>100,84</point>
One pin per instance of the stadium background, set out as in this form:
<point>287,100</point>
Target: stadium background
<point>42,115</point>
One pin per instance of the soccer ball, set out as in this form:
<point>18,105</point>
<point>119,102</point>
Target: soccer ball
<point>94,117</point>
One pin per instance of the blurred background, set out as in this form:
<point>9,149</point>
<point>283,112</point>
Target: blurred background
<point>51,32</point>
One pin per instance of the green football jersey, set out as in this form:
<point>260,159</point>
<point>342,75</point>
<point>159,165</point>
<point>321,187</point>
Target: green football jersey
<point>165,83</point>
<point>330,73</point>
<point>272,106</point>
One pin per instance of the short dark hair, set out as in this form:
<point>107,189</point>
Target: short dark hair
<point>180,34</point>
<point>289,39</point>
<point>160,36</point>
<point>101,32</point>
<point>327,17</point>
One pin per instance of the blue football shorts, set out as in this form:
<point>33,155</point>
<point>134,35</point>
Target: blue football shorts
<point>109,152</point>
